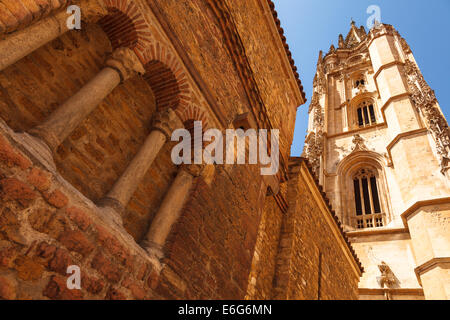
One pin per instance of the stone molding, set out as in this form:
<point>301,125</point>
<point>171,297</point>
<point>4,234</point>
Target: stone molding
<point>419,204</point>
<point>430,264</point>
<point>376,232</point>
<point>167,121</point>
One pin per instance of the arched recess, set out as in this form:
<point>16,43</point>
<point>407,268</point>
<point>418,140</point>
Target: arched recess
<point>352,115</point>
<point>94,156</point>
<point>346,170</point>
<point>125,25</point>
<point>188,117</point>
<point>192,112</point>
<point>166,76</point>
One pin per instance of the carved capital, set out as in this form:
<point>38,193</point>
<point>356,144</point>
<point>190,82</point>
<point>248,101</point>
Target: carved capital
<point>126,63</point>
<point>153,249</point>
<point>167,121</point>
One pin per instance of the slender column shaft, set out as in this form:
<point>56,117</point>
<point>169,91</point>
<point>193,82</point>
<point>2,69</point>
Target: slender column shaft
<point>170,209</point>
<point>134,174</point>
<point>21,43</point>
<point>68,116</point>
<point>117,199</point>
<point>122,65</point>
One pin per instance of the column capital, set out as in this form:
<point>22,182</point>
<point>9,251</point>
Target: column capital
<point>126,63</point>
<point>153,249</point>
<point>167,121</point>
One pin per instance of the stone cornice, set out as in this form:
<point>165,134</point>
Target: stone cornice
<point>419,204</point>
<point>375,232</point>
<point>397,291</point>
<point>359,130</point>
<point>286,48</point>
<point>385,66</point>
<point>430,264</point>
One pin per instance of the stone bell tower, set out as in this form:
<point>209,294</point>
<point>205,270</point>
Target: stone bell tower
<point>379,144</point>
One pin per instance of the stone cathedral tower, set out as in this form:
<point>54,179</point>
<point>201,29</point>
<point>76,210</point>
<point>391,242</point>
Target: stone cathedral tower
<point>379,144</point>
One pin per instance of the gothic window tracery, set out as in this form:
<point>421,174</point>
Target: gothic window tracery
<point>366,114</point>
<point>368,213</point>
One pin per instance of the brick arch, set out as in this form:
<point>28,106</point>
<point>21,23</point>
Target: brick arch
<point>125,26</point>
<point>192,112</point>
<point>166,76</point>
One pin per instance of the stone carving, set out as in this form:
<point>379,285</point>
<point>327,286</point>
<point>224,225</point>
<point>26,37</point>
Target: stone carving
<point>167,121</point>
<point>387,278</point>
<point>341,41</point>
<point>359,143</point>
<point>319,83</point>
<point>404,44</point>
<point>332,49</point>
<point>314,144</point>
<point>126,63</point>
<point>425,101</point>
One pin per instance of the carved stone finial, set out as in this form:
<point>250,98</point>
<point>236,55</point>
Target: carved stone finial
<point>167,121</point>
<point>126,63</point>
<point>332,49</point>
<point>341,41</point>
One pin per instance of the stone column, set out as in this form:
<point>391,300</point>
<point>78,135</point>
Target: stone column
<point>121,66</point>
<point>164,124</point>
<point>170,210</point>
<point>21,43</point>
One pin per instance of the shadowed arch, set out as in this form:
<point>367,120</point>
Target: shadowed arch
<point>194,113</point>
<point>125,25</point>
<point>166,76</point>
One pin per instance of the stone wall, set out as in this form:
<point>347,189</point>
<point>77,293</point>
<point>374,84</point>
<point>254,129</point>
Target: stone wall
<point>99,150</point>
<point>315,259</point>
<point>225,241</point>
<point>266,249</point>
<point>46,225</point>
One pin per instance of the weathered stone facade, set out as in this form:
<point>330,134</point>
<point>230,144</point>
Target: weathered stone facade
<point>86,176</point>
<point>379,144</point>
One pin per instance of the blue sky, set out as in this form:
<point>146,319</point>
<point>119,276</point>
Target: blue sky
<point>312,25</point>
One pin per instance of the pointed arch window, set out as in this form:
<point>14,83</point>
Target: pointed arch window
<point>368,212</point>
